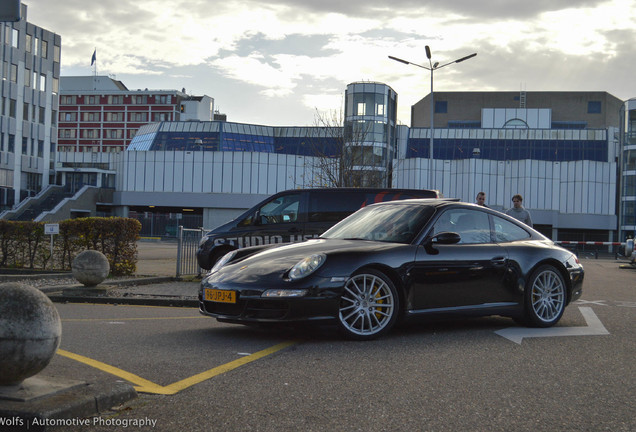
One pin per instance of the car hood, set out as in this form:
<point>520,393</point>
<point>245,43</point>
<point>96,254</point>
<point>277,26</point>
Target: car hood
<point>272,264</point>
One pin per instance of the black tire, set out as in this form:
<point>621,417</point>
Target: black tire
<point>369,305</point>
<point>545,297</point>
<point>217,254</point>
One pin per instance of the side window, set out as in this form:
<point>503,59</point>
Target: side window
<point>283,209</point>
<point>506,231</point>
<point>333,206</point>
<point>472,226</point>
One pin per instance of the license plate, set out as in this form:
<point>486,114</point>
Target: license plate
<point>220,296</point>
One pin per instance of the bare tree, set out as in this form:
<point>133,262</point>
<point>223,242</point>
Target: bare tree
<point>342,155</point>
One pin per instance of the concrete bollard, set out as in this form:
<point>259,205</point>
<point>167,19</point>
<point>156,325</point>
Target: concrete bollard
<point>30,332</point>
<point>90,268</point>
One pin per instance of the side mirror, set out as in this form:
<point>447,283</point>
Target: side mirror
<point>446,238</point>
<point>441,238</point>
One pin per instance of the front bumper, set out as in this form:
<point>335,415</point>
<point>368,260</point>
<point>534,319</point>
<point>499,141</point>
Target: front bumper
<point>320,303</point>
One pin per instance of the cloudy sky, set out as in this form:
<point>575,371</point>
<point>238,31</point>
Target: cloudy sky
<point>280,62</point>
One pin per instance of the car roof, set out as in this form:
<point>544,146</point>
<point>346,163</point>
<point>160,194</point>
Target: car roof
<point>436,202</point>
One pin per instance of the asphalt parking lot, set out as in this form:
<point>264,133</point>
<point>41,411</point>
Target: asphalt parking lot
<point>193,373</point>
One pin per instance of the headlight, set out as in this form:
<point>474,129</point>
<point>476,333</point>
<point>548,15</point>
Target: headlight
<point>223,260</point>
<point>306,266</point>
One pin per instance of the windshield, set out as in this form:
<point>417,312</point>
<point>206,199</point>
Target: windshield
<point>396,223</point>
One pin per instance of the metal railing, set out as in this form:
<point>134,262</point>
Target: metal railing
<point>188,243</point>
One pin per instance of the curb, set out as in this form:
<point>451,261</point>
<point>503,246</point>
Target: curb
<point>133,301</point>
<point>77,403</point>
<point>118,283</point>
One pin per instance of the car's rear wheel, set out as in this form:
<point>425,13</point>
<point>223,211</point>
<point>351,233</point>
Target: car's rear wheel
<point>369,305</point>
<point>545,297</point>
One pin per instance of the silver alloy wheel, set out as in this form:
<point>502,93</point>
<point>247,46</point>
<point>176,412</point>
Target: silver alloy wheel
<point>548,295</point>
<point>367,306</point>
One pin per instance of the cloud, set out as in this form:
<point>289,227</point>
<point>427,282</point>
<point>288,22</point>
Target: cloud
<point>294,52</point>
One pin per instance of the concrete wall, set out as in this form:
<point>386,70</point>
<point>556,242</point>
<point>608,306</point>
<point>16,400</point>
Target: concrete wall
<point>566,106</point>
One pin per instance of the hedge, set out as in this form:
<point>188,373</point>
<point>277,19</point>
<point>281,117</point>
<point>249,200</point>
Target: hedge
<point>24,244</point>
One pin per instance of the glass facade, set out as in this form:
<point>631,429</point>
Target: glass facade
<point>369,133</point>
<point>510,149</point>
<point>627,137</point>
<point>223,136</point>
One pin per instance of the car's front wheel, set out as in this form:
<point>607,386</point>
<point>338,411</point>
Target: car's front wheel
<point>545,297</point>
<point>369,305</point>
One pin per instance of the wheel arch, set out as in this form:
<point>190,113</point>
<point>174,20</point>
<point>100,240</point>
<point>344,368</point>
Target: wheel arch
<point>562,270</point>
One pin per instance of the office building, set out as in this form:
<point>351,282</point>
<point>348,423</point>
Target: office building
<point>30,59</point>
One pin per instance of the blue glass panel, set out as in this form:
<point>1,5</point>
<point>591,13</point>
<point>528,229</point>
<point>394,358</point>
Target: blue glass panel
<point>507,149</point>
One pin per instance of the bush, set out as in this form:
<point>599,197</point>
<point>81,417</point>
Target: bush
<point>24,244</point>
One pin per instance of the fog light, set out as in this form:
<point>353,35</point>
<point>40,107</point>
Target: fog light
<point>284,293</point>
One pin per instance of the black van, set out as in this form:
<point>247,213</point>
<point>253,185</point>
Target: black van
<point>293,216</point>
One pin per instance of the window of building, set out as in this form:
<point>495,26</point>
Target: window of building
<point>441,107</point>
<point>7,35</point>
<point>12,107</point>
<point>116,100</point>
<point>594,107</point>
<point>114,133</point>
<point>25,112</point>
<point>44,48</point>
<point>115,116</point>
<point>68,100</point>
<point>70,116</point>
<point>25,145</point>
<point>14,73</point>
<point>91,116</point>
<point>42,82</point>
<point>27,78</point>
<point>11,143</point>
<point>5,70</point>
<point>28,43</point>
<point>14,38</point>
<point>40,148</point>
<point>35,46</point>
<point>53,117</point>
<point>42,115</point>
<point>68,133</point>
<point>35,80</point>
<point>56,53</point>
<point>56,85</point>
<point>139,117</point>
<point>140,99</point>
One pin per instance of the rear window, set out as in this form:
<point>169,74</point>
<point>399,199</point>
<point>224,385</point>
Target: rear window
<point>333,206</point>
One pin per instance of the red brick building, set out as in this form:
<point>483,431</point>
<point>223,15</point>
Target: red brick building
<point>100,114</point>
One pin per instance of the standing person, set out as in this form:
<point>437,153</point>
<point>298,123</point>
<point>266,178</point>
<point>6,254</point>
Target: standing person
<point>481,199</point>
<point>518,211</point>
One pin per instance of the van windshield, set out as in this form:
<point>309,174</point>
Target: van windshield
<point>395,223</point>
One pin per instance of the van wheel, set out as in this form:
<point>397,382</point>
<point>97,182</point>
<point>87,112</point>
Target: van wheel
<point>216,255</point>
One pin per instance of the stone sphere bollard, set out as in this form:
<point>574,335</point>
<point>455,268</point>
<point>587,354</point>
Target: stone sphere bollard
<point>90,267</point>
<point>30,332</point>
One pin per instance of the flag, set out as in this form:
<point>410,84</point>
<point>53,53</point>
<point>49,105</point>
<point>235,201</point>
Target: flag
<point>94,58</point>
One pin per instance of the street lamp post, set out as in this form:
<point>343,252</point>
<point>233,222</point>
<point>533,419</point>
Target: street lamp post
<point>432,67</point>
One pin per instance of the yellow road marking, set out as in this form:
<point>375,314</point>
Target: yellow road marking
<point>145,386</point>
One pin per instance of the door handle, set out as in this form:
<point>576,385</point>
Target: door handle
<point>498,260</point>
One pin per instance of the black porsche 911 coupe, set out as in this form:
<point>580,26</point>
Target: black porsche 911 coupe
<point>395,260</point>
